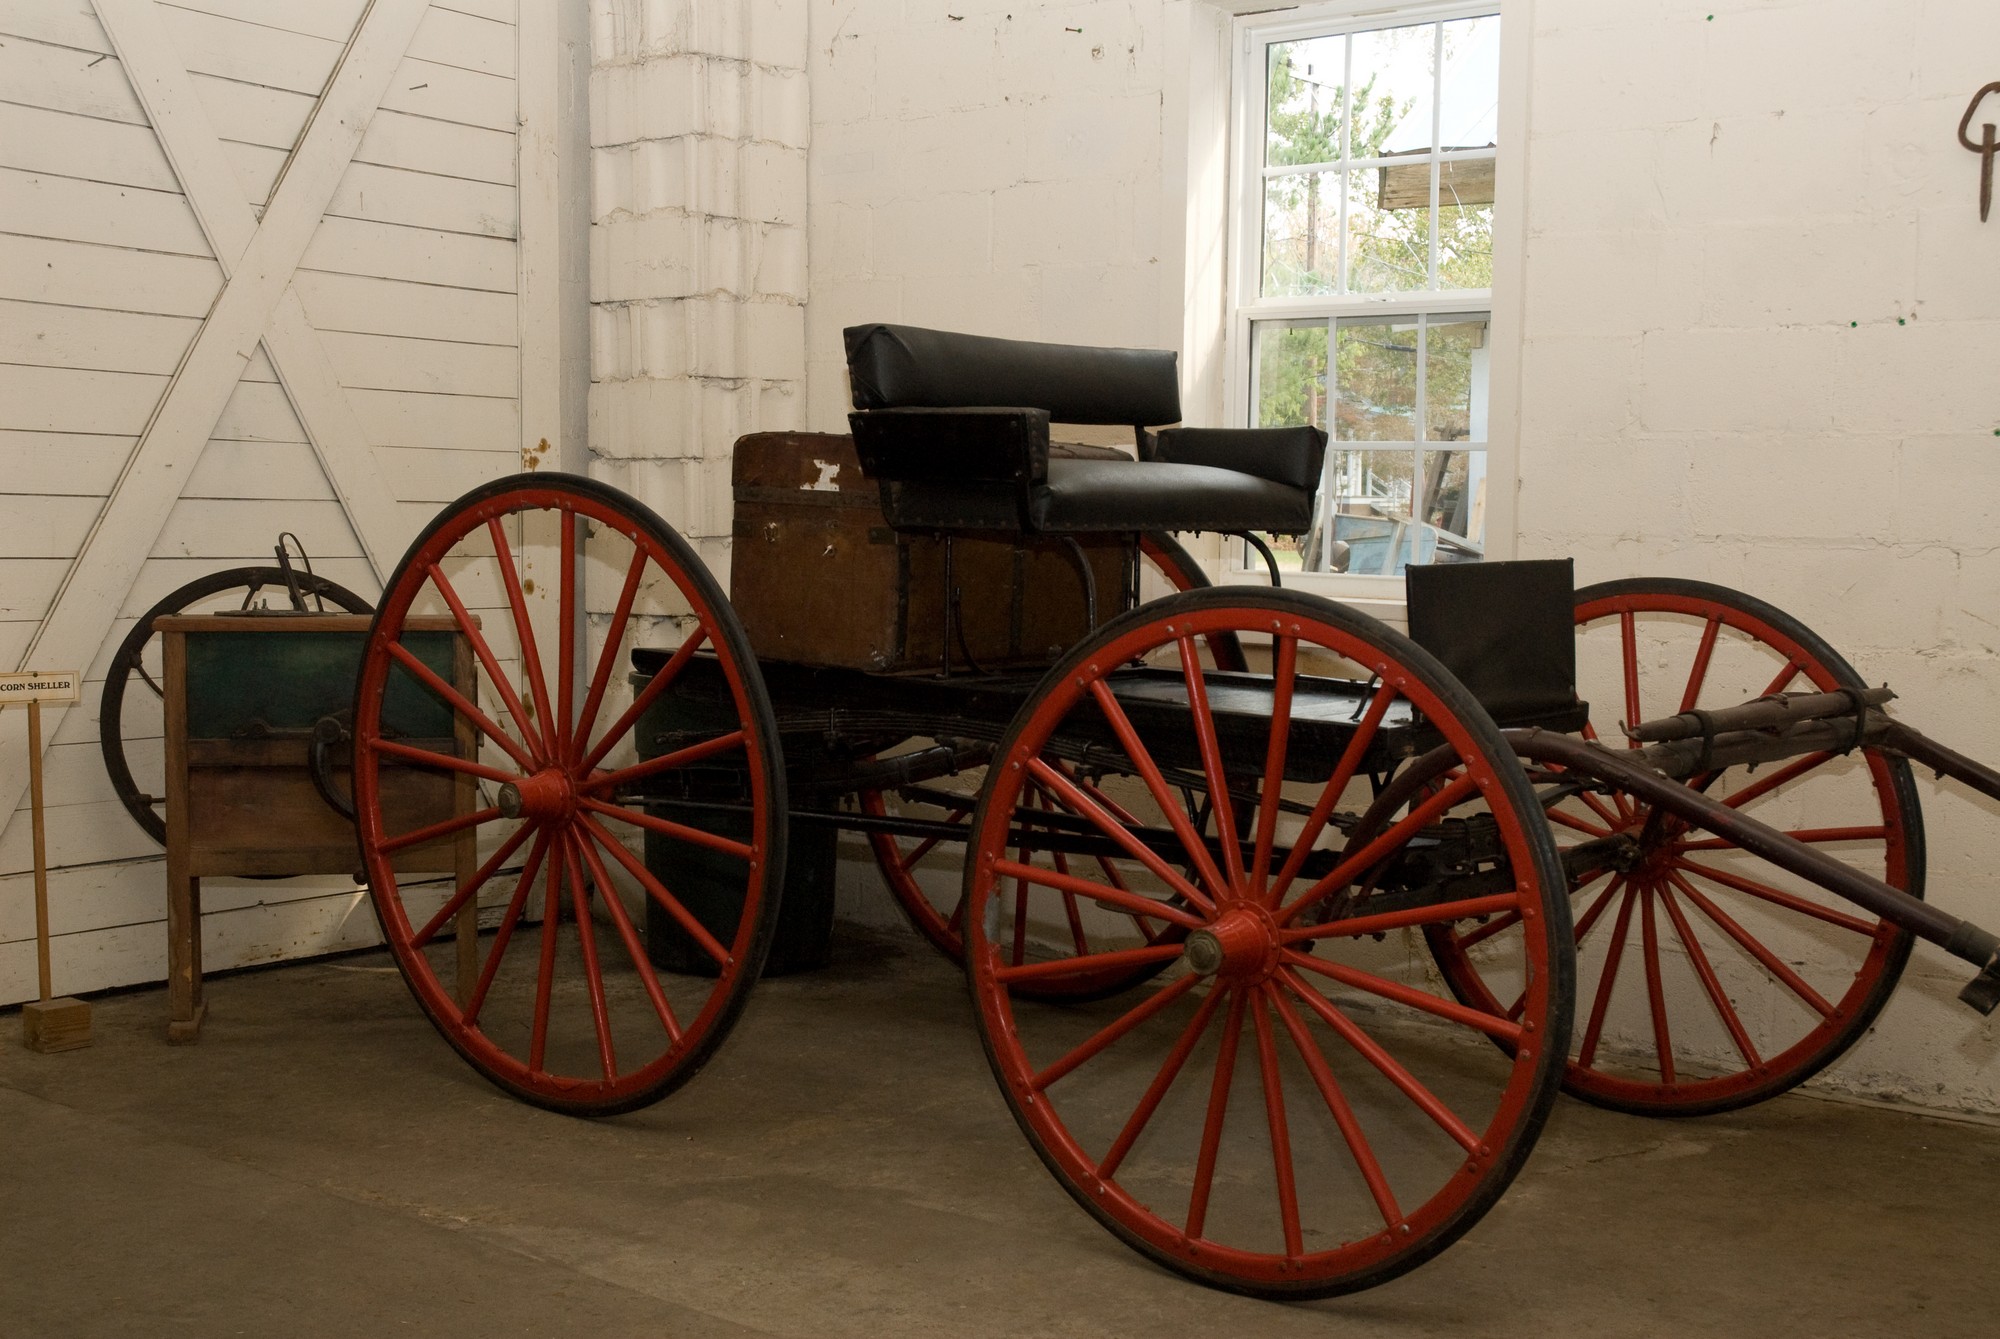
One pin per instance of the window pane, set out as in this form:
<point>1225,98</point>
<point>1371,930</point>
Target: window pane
<point>1301,235</point>
<point>1291,374</point>
<point>1388,235</point>
<point>1303,101</point>
<point>1455,379</point>
<point>1375,380</point>
<point>1395,84</point>
<point>1454,505</point>
<point>1465,245</point>
<point>1370,495</point>
<point>1471,112</point>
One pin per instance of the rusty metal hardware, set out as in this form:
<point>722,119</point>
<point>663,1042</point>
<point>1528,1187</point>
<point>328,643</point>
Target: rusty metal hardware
<point>1986,148</point>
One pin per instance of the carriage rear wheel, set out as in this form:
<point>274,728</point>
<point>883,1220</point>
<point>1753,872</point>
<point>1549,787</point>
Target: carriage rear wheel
<point>1288,1109</point>
<point>928,887</point>
<point>566,1008</point>
<point>1708,979</point>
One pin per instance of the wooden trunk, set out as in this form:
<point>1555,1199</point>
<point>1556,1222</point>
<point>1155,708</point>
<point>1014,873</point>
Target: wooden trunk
<point>819,578</point>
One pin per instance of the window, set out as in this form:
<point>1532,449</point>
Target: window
<point>1362,290</point>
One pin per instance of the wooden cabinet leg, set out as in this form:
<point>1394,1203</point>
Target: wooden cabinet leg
<point>185,1005</point>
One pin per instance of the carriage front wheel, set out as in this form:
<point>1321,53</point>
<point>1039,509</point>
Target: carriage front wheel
<point>498,663</point>
<point>1290,1108</point>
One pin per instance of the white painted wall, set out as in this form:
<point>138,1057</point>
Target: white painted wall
<point>428,284</point>
<point>1763,348</point>
<point>1761,330</point>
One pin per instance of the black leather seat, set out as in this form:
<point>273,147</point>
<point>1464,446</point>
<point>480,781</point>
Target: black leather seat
<point>956,430</point>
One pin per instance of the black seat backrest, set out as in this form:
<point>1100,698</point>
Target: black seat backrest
<point>906,367</point>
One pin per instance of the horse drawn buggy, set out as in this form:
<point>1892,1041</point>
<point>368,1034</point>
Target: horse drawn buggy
<point>1282,929</point>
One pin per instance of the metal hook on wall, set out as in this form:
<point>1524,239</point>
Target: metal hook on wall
<point>1986,149</point>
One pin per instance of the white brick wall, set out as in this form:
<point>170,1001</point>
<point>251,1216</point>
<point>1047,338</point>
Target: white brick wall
<point>699,121</point>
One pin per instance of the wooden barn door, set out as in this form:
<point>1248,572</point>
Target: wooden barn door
<point>265,265</point>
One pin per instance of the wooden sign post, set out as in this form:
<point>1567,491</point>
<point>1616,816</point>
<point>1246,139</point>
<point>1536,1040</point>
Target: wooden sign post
<point>48,1024</point>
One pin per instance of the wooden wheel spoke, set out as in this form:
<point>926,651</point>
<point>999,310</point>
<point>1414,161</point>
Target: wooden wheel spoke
<point>668,828</point>
<point>1506,920</point>
<point>1163,1079</point>
<point>1449,1010</point>
<point>1778,897</point>
<point>1156,784</point>
<point>1274,1116</point>
<point>1601,1003</point>
<point>1087,964</point>
<point>1628,636</point>
<point>1136,903</point>
<point>1576,824</point>
<point>1329,796</point>
<point>1210,747</point>
<point>1354,863</point>
<point>1585,922</point>
<point>629,934</point>
<point>517,601</point>
<point>1118,1027</point>
<point>643,699</point>
<point>593,975</point>
<point>505,933</point>
<point>1785,775</point>
<point>666,762</point>
<point>471,887</point>
<point>1703,969</point>
<point>1358,1146</point>
<point>459,703</point>
<point>1656,995</point>
<point>1284,672</point>
<point>1372,1051</point>
<point>607,659</point>
<point>1218,1111</point>
<point>545,970</point>
<point>441,762</point>
<point>1077,802</point>
<point>559,728</point>
<point>469,627</point>
<point>658,892</point>
<point>1699,671</point>
<point>1755,947</point>
<point>441,828</point>
<point>1355,926</point>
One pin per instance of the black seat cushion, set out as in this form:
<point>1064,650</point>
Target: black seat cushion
<point>1083,496</point>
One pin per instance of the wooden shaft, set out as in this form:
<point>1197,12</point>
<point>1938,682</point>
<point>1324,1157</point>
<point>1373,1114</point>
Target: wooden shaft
<point>41,852</point>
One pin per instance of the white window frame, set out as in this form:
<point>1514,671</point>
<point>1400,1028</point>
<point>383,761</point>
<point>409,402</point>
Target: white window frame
<point>1251,34</point>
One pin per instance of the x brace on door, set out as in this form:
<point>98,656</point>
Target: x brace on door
<point>256,303</point>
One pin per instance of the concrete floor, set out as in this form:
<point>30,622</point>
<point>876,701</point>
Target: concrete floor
<point>322,1164</point>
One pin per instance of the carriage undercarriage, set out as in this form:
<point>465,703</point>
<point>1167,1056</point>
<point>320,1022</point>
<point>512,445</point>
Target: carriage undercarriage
<point>1281,938</point>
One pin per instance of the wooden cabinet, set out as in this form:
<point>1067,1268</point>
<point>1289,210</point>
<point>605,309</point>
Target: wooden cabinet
<point>243,694</point>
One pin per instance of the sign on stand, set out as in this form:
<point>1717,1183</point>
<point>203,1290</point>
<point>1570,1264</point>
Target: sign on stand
<point>48,1024</point>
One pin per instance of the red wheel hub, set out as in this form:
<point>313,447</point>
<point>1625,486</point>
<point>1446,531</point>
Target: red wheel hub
<point>1241,945</point>
<point>547,796</point>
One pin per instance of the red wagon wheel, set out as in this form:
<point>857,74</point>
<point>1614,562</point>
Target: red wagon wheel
<point>1708,979</point>
<point>567,1011</point>
<point>936,907</point>
<point>1290,1109</point>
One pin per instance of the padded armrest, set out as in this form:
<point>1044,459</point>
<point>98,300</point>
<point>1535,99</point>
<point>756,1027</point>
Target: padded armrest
<point>902,366</point>
<point>1290,456</point>
<point>965,446</point>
